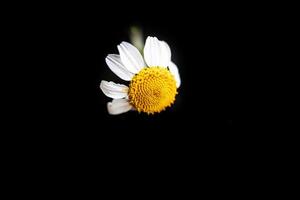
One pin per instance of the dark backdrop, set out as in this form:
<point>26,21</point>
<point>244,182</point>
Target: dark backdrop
<point>207,45</point>
<point>72,126</point>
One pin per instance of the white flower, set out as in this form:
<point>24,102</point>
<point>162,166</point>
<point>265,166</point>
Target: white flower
<point>154,79</point>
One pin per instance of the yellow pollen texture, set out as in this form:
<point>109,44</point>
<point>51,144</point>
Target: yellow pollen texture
<point>152,90</point>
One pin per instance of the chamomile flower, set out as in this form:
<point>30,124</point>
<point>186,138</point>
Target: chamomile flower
<point>153,80</point>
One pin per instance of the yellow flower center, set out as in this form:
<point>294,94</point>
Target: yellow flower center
<point>152,90</point>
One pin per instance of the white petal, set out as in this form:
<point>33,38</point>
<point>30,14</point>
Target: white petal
<point>174,70</point>
<point>114,63</point>
<point>131,57</point>
<point>157,53</point>
<point>118,106</point>
<point>166,54</point>
<point>114,90</point>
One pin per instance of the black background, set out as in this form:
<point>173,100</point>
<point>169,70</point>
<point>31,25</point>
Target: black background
<point>207,44</point>
<point>66,112</point>
<point>71,136</point>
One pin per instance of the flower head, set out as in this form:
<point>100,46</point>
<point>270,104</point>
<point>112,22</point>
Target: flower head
<point>154,79</point>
